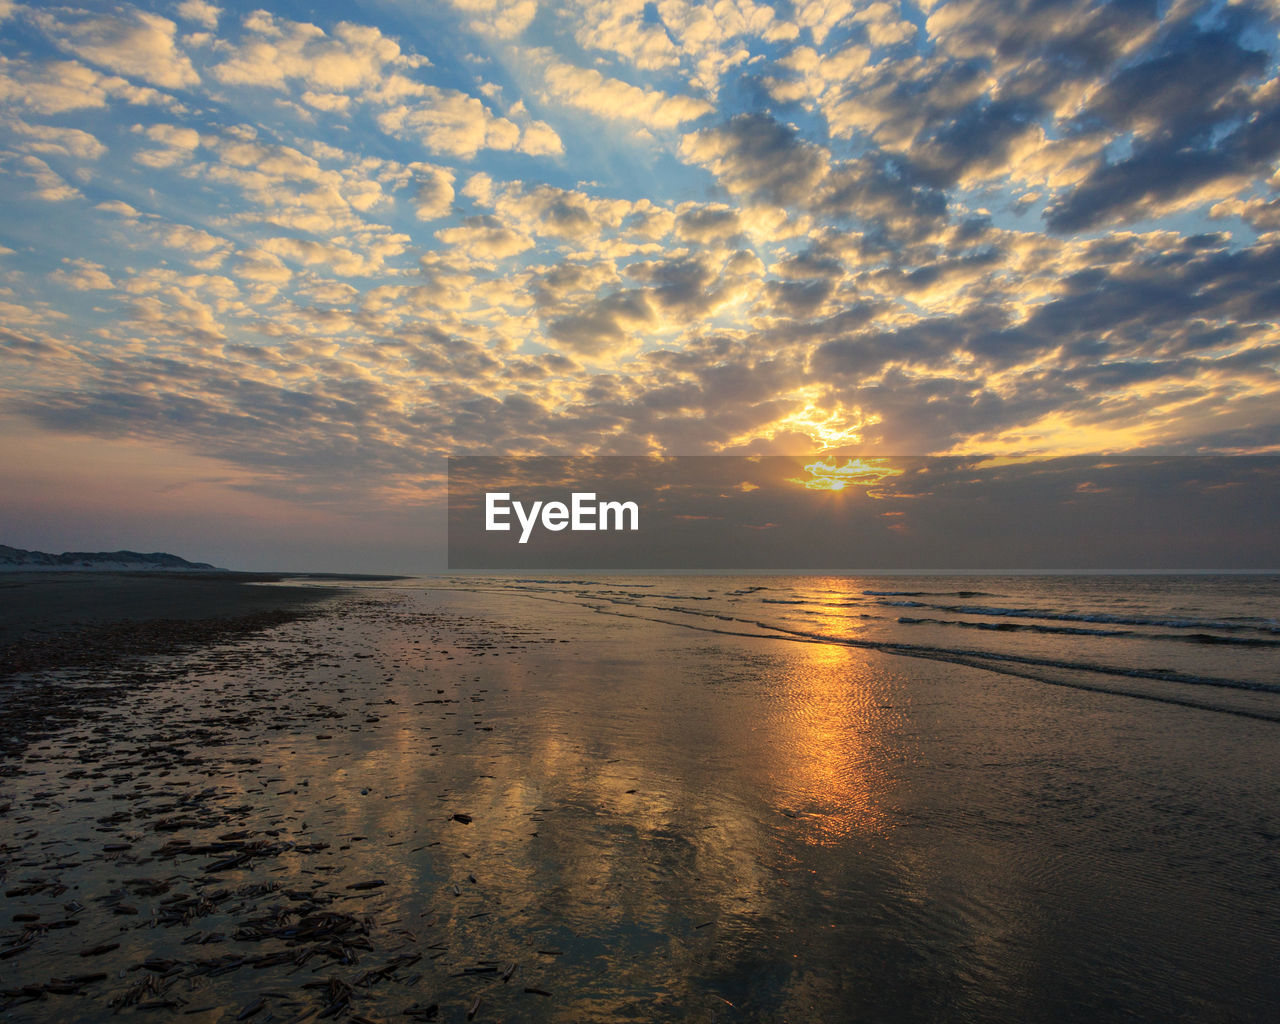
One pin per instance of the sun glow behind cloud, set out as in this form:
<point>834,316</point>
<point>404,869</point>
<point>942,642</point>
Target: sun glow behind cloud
<point>830,475</point>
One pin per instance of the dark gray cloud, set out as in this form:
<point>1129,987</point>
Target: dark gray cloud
<point>885,195</point>
<point>981,134</point>
<point>1198,116</point>
<point>1163,171</point>
<point>809,264</point>
<point>604,325</point>
<point>1184,90</point>
<point>1076,39</point>
<point>800,298</point>
<point>708,223</point>
<point>1163,301</point>
<point>756,156</point>
<point>680,285</point>
<point>926,341</point>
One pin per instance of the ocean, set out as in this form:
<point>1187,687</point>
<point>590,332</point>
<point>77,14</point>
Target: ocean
<point>671,798</point>
<point>1200,639</point>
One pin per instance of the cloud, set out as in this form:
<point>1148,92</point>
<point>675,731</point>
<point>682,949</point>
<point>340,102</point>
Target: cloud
<point>1195,80</point>
<point>976,140</point>
<point>820,17</point>
<point>649,222</point>
<point>703,41</point>
<point>604,326</point>
<point>174,145</point>
<point>565,283</point>
<point>714,39</point>
<point>81,275</point>
<point>433,195</point>
<point>589,90</point>
<point>1069,40</point>
<point>1199,123</point>
<point>1156,309</point>
<point>50,186</point>
<point>688,288</point>
<point>883,195</point>
<point>55,87</point>
<point>136,44</point>
<point>1162,177</point>
<point>619,27</point>
<point>756,156</point>
<point>503,18</point>
<point>556,213</point>
<point>1263,215</point>
<point>119,208</point>
<point>883,25</point>
<point>330,102</point>
<point>485,239</point>
<point>49,140</point>
<point>188,309</point>
<point>828,226</point>
<point>340,259</point>
<point>201,12</point>
<point>278,51</point>
<point>448,121</point>
<point>284,186</point>
<point>201,248</point>
<point>537,138</point>
<point>697,223</point>
<point>264,267</point>
<point>798,298</point>
<point>359,64</point>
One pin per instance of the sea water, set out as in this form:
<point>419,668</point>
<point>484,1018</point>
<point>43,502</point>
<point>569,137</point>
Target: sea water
<point>764,798</point>
<point>1199,638</point>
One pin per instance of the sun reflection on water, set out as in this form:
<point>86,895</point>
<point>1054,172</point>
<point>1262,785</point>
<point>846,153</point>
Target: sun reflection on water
<point>833,723</point>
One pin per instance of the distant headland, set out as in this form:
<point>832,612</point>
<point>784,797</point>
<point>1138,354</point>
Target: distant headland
<point>18,559</point>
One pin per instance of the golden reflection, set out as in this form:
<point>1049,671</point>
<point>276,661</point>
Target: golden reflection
<point>837,721</point>
<point>828,475</point>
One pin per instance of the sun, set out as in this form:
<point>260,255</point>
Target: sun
<point>828,475</point>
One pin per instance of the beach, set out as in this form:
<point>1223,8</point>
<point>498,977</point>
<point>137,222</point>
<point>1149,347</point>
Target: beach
<point>87,621</point>
<point>46,606</point>
<point>496,800</point>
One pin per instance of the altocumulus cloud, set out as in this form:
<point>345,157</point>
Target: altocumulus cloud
<point>333,250</point>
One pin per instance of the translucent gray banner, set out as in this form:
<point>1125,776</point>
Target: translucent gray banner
<point>858,514</point>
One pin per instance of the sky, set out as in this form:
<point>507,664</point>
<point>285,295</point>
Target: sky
<point>263,270</point>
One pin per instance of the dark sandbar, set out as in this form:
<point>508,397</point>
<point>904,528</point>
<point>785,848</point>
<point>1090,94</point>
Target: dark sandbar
<point>46,604</point>
<point>95,621</point>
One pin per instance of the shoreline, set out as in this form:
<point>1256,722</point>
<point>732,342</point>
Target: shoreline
<point>434,805</point>
<point>61,634</point>
<point>55,609</point>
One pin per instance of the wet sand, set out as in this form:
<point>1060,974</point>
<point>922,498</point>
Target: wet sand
<point>103,621</point>
<point>157,859</point>
<point>49,604</point>
<point>441,806</point>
